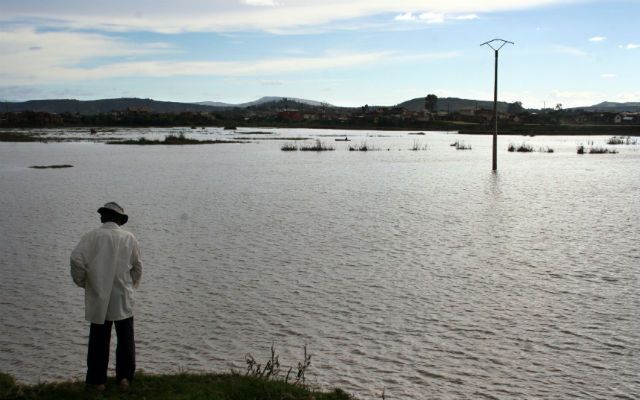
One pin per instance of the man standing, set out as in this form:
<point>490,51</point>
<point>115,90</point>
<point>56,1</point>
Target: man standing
<point>106,263</point>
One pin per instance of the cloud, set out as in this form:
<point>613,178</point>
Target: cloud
<point>269,3</point>
<point>630,46</point>
<point>405,17</point>
<point>434,17</point>
<point>56,72</point>
<point>608,76</point>
<point>28,57</point>
<point>597,39</point>
<point>246,15</point>
<point>466,17</point>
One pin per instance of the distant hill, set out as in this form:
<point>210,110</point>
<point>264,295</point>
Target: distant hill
<point>265,100</point>
<point>609,106</point>
<point>90,107</point>
<point>453,104</point>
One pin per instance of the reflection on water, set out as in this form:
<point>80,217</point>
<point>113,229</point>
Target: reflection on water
<point>421,273</point>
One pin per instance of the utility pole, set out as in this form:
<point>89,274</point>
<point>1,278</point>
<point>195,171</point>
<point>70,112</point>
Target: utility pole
<point>496,45</point>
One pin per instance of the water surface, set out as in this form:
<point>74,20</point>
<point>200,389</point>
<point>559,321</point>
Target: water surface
<point>420,273</point>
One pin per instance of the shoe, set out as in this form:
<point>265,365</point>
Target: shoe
<point>124,385</point>
<point>100,388</point>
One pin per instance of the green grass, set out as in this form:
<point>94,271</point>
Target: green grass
<point>180,386</point>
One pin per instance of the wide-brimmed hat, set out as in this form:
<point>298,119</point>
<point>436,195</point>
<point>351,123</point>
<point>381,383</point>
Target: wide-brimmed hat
<point>112,206</point>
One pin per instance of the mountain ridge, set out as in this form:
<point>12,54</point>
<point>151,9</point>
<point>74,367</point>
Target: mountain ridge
<point>100,106</point>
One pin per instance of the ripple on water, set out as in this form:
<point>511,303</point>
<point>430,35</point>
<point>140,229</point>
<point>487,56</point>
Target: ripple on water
<point>424,277</point>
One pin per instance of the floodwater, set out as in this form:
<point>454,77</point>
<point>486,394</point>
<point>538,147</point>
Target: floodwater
<point>420,274</point>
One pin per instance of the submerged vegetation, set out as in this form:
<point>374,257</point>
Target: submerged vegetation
<point>523,148</point>
<point>418,146</point>
<point>317,146</point>
<point>289,147</point>
<point>171,140</point>
<point>364,146</point>
<point>627,140</point>
<point>51,166</point>
<point>461,146</point>
<point>595,150</point>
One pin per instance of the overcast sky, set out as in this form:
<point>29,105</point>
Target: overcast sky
<point>344,52</point>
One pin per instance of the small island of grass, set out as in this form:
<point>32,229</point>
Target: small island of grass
<point>51,166</point>
<point>171,140</point>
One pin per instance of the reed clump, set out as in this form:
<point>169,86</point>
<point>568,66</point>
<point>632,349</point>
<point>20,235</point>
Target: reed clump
<point>317,146</point>
<point>602,150</point>
<point>289,147</point>
<point>418,146</point>
<point>522,148</point>
<point>462,146</point>
<point>625,140</point>
<point>364,146</point>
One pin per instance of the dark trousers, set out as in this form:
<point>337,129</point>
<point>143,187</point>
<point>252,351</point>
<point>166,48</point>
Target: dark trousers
<point>98,357</point>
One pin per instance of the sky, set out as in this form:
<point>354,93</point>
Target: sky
<point>343,52</point>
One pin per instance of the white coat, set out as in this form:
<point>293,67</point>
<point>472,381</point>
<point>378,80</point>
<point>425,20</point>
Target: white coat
<point>106,263</point>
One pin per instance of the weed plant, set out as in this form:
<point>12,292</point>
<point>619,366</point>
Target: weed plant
<point>272,370</point>
<point>418,146</point>
<point>289,147</point>
<point>602,150</point>
<point>462,146</point>
<point>317,146</point>
<point>615,140</point>
<point>362,147</point>
<point>523,148</point>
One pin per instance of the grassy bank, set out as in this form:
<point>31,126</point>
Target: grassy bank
<point>178,386</point>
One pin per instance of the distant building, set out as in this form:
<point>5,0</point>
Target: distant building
<point>624,118</point>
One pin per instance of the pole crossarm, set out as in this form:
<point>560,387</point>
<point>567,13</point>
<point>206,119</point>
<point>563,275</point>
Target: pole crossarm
<point>501,42</point>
